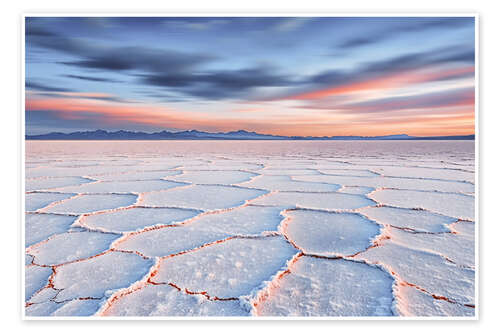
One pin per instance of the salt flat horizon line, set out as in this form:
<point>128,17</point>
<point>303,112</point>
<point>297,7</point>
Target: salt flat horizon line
<point>236,134</point>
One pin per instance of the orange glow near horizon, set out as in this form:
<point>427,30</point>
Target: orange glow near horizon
<point>454,122</point>
<point>352,115</point>
<point>385,82</point>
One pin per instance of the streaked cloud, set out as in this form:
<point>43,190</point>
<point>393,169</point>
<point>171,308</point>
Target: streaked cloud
<point>92,78</point>
<point>403,26</point>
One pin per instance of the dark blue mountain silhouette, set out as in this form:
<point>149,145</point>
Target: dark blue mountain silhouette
<point>235,135</point>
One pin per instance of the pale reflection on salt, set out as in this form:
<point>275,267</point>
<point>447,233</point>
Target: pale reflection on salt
<point>365,149</point>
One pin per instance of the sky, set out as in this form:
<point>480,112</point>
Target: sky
<point>317,76</point>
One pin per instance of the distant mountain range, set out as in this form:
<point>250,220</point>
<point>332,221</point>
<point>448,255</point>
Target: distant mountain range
<point>235,135</point>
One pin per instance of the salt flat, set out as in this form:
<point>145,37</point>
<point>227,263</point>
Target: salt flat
<point>250,228</point>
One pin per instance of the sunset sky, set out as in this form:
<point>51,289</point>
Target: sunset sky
<point>274,75</point>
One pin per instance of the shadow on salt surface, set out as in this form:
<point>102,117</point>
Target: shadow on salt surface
<point>270,171</point>
<point>165,300</point>
<point>329,234</point>
<point>415,303</point>
<point>388,182</point>
<point>123,186</point>
<point>418,220</point>
<point>42,309</point>
<point>422,172</point>
<point>285,183</point>
<point>169,240</point>
<point>50,183</point>
<point>325,287</point>
<point>78,307</point>
<point>40,226</point>
<point>464,228</point>
<point>203,229</point>
<point>459,248</point>
<point>443,165</point>
<point>97,277</point>
<point>35,201</point>
<point>451,204</point>
<point>70,246</point>
<point>232,268</point>
<point>247,220</point>
<point>347,171</point>
<point>137,218</point>
<point>429,271</point>
<point>320,200</point>
<point>205,197</point>
<point>92,170</point>
<point>88,203</point>
<point>213,177</point>
<point>74,163</point>
<point>35,278</point>
<point>43,295</point>
<point>221,165</point>
<point>287,164</point>
<point>27,259</point>
<point>137,175</point>
<point>356,189</point>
